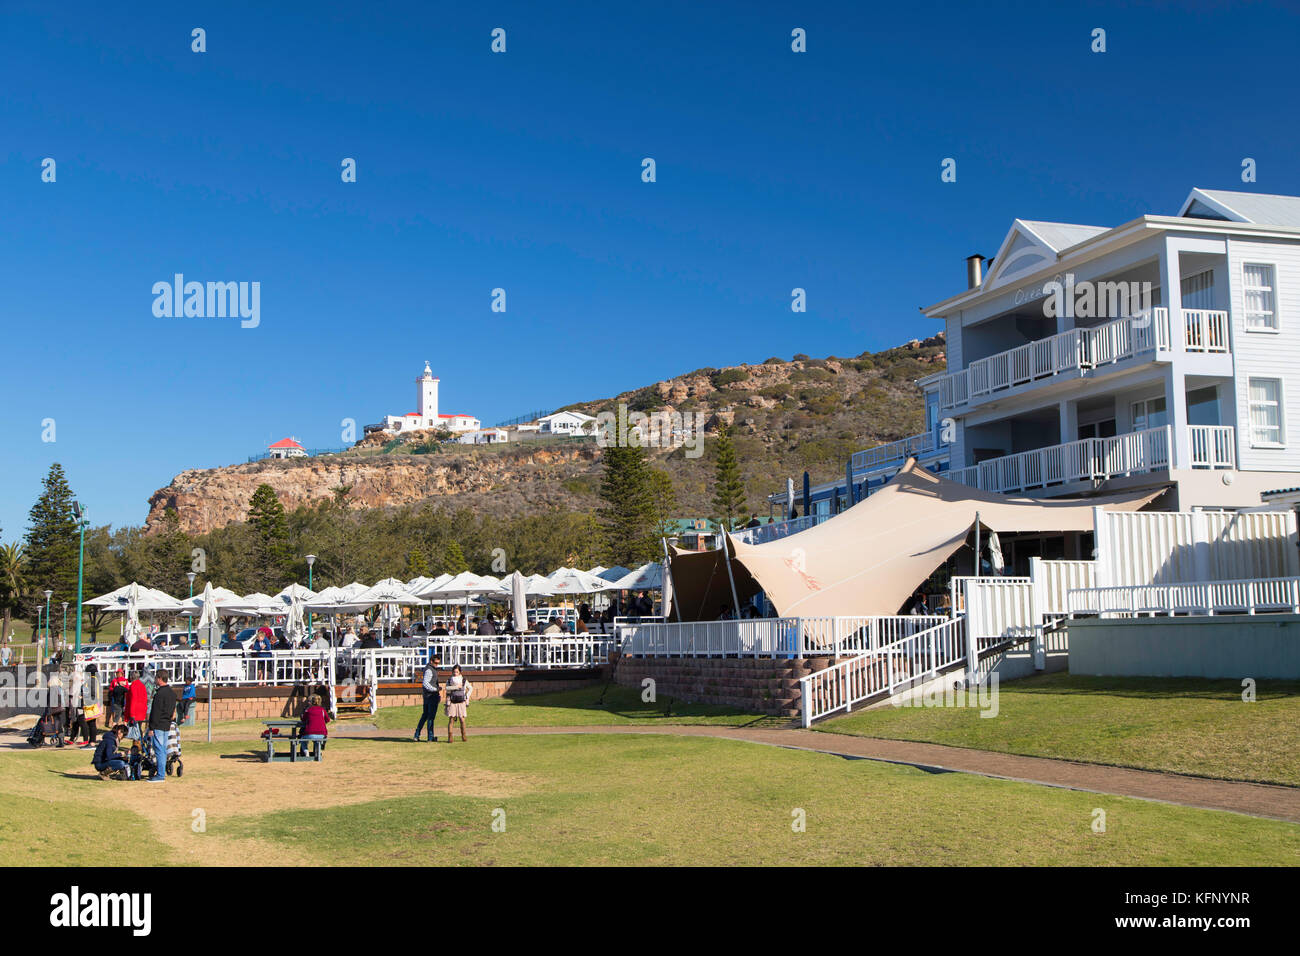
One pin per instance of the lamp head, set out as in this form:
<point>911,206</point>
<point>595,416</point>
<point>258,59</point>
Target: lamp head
<point>311,559</point>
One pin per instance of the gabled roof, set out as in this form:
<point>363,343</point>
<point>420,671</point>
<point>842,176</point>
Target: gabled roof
<point>1030,245</point>
<point>1260,209</point>
<point>285,443</point>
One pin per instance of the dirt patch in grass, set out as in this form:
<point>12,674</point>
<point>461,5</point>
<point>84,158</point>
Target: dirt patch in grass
<point>223,782</point>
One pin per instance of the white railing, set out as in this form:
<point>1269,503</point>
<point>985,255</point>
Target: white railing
<point>924,653</point>
<point>229,668</point>
<point>904,448</point>
<point>780,529</point>
<point>1082,350</point>
<point>1204,330</point>
<point>1255,596</point>
<point>1089,459</point>
<point>1213,446</point>
<point>406,664</point>
<point>772,637</point>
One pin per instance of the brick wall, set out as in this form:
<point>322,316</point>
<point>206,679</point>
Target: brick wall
<point>244,703</point>
<point>763,686</point>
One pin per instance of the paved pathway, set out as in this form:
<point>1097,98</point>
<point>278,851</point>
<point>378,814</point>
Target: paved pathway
<point>1254,799</point>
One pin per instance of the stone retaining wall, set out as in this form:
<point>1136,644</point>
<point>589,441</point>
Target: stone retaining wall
<point>762,685</point>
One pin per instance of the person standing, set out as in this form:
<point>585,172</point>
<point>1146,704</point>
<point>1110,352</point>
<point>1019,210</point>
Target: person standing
<point>458,694</point>
<point>137,704</point>
<point>432,694</point>
<point>117,698</point>
<point>161,713</point>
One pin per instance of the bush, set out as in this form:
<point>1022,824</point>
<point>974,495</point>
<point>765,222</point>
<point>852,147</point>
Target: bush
<point>773,361</point>
<point>728,376</point>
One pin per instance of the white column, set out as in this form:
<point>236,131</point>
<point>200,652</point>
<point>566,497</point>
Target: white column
<point>1069,412</point>
<point>1180,450</point>
<point>1175,391</point>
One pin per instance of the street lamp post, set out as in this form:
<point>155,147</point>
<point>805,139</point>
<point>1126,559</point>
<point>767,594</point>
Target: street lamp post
<point>79,510</point>
<point>189,618</point>
<point>311,559</point>
<point>48,595</point>
<point>63,637</point>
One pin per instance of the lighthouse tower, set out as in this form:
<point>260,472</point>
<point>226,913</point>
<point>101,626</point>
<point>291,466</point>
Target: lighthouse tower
<point>428,399</point>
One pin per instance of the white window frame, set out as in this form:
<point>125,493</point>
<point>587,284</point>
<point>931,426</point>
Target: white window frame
<point>1281,411</point>
<point>1245,314</point>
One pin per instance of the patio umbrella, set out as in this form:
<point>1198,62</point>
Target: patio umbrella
<point>294,628</point>
<point>572,581</point>
<point>208,619</point>
<point>648,577</point>
<point>389,594</point>
<point>462,587</point>
<point>519,601</point>
<point>612,574</point>
<point>131,627</point>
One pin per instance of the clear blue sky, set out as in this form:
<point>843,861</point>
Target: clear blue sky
<point>522,171</point>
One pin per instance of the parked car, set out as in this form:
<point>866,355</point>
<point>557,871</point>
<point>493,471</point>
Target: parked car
<point>245,637</point>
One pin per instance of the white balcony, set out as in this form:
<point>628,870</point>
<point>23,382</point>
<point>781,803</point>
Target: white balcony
<point>1096,459</point>
<point>1081,352</point>
<point>894,451</point>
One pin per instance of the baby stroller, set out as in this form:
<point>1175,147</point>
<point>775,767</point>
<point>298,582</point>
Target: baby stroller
<point>148,766</point>
<point>48,727</point>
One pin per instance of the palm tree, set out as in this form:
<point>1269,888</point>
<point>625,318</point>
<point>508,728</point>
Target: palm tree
<point>13,583</point>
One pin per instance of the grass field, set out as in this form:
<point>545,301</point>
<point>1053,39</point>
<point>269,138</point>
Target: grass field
<point>571,799</point>
<point>1185,726</point>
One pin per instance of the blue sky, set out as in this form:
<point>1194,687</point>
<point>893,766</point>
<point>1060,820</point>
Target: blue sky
<point>522,171</point>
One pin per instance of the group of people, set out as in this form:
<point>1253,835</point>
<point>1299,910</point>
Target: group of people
<point>148,724</point>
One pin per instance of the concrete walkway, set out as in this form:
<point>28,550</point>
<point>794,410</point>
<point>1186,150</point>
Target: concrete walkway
<point>1254,799</point>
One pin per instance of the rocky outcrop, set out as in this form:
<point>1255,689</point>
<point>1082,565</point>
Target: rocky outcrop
<point>523,478</point>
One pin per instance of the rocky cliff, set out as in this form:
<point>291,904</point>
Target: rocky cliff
<point>787,417</point>
<point>516,479</point>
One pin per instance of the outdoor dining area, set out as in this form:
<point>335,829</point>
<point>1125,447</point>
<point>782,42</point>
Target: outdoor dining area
<point>380,632</point>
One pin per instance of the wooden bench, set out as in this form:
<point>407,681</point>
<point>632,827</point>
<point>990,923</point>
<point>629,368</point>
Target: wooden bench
<point>291,754</point>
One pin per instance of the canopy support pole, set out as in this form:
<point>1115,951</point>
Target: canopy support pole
<point>668,567</point>
<point>735,601</point>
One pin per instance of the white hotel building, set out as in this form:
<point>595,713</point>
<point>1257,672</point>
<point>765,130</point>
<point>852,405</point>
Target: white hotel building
<point>1198,390</point>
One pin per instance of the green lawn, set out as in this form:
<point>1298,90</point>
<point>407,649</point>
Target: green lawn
<point>577,708</point>
<point>1199,727</point>
<point>572,799</point>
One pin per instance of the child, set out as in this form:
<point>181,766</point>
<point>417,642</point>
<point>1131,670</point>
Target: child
<point>135,762</point>
<point>186,702</point>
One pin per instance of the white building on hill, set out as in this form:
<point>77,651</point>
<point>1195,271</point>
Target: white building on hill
<point>426,414</point>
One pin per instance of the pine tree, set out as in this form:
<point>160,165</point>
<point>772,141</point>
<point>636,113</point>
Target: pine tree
<point>628,517</point>
<point>416,566</point>
<point>728,487</point>
<point>664,500</point>
<point>271,553</point>
<point>455,562</point>
<point>51,543</point>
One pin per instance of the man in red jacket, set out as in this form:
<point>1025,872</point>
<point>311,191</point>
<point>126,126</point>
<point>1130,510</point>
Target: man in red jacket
<point>137,700</point>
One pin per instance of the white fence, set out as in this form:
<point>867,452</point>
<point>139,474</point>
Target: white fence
<point>780,529</point>
<point>903,448</point>
<point>1256,596</point>
<point>1152,547</point>
<point>388,664</point>
<point>229,668</point>
<point>771,637</point>
<point>924,653</point>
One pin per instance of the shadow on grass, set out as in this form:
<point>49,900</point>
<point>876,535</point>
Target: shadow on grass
<point>1148,688</point>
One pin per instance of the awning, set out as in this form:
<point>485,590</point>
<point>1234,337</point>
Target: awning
<point>872,557</point>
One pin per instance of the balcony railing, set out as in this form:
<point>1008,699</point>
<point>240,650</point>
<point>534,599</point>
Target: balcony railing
<point>1090,459</point>
<point>901,450</point>
<point>1096,459</point>
<point>1213,446</point>
<point>1082,350</point>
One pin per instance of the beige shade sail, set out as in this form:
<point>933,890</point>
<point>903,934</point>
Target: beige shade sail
<point>871,558</point>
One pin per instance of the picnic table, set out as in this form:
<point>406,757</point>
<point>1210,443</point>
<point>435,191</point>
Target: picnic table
<point>291,738</point>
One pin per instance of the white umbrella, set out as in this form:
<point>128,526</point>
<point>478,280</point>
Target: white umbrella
<point>146,599</point>
<point>221,599</point>
<point>462,587</point>
<point>612,574</point>
<point>131,627</point>
<point>518,601</point>
<point>574,581</point>
<point>648,577</point>
<point>258,604</point>
<point>294,628</point>
<point>389,593</point>
<point>295,590</point>
<point>598,570</point>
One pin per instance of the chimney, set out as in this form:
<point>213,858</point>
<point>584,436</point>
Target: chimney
<point>974,267</point>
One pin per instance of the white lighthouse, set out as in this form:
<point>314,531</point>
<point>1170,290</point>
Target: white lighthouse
<point>426,414</point>
<point>427,401</point>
